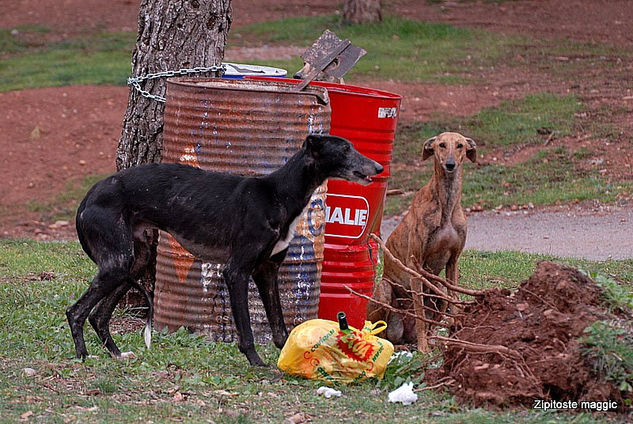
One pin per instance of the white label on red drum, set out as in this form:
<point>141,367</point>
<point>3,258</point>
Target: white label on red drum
<point>345,216</point>
<point>387,112</point>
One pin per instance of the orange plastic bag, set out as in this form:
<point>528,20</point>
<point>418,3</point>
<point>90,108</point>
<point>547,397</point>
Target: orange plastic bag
<point>318,349</point>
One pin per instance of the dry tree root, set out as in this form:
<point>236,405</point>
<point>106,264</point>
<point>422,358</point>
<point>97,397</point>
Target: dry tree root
<point>508,348</point>
<point>424,285</point>
<point>391,308</point>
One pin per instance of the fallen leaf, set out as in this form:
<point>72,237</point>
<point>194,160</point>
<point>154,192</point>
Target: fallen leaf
<point>297,418</point>
<point>29,372</point>
<point>35,134</point>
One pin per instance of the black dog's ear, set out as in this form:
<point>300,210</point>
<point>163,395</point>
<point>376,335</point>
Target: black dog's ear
<point>471,150</point>
<point>428,148</point>
<point>313,144</point>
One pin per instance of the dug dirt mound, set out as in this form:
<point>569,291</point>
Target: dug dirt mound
<point>514,348</point>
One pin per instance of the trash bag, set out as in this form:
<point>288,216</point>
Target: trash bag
<point>322,350</point>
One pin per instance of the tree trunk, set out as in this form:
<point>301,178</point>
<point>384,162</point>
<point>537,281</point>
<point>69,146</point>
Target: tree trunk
<point>361,11</point>
<point>172,34</point>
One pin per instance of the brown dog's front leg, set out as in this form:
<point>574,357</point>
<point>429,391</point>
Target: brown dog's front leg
<point>452,275</point>
<point>237,282</point>
<point>418,305</point>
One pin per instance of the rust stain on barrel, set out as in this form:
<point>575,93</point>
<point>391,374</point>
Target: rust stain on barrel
<point>247,128</point>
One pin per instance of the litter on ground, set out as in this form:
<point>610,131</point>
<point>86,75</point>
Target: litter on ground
<point>328,392</point>
<point>403,394</point>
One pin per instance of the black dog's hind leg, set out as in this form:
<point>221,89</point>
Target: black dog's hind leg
<point>100,317</point>
<point>102,285</point>
<point>265,278</point>
<point>102,313</point>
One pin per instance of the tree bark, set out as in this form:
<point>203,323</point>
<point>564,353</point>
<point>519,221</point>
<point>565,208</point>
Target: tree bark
<point>172,34</point>
<point>361,11</point>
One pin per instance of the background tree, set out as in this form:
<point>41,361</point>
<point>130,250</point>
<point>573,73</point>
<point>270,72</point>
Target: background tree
<point>361,11</point>
<point>172,34</point>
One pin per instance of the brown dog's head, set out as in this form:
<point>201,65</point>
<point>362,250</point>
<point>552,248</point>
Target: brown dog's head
<point>449,150</point>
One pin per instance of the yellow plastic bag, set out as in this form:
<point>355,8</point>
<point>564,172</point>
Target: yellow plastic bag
<point>318,349</point>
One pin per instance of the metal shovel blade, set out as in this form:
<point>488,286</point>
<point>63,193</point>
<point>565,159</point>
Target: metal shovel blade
<point>318,54</point>
<point>331,55</point>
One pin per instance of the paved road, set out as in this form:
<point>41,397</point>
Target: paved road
<point>601,234</point>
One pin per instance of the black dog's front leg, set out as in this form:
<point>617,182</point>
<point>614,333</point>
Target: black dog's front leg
<point>265,278</point>
<point>236,280</point>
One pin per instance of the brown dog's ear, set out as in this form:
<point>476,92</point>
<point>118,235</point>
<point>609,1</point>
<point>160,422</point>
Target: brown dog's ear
<point>471,150</point>
<point>428,148</point>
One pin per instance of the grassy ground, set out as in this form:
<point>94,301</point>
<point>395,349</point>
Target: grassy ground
<point>184,377</point>
<point>29,61</point>
<point>399,49</point>
<point>550,175</point>
<point>63,206</point>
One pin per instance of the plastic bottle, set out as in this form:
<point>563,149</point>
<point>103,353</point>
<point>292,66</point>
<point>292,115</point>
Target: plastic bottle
<point>342,321</point>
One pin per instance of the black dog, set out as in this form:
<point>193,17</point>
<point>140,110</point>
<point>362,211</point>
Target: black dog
<point>246,223</point>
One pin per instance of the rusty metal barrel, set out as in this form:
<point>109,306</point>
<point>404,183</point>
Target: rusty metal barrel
<point>248,128</point>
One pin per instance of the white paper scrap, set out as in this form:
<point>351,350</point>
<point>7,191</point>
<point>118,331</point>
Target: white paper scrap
<point>404,394</point>
<point>328,392</point>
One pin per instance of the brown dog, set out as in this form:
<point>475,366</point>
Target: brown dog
<point>433,231</point>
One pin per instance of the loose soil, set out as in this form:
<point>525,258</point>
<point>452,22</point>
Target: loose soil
<point>610,22</point>
<point>514,348</point>
<point>54,137</point>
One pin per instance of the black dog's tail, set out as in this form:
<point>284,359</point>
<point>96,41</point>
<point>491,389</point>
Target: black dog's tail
<point>147,332</point>
<point>80,229</point>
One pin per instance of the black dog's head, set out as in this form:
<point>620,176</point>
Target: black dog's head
<point>336,157</point>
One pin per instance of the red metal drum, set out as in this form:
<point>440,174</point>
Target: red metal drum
<point>367,118</point>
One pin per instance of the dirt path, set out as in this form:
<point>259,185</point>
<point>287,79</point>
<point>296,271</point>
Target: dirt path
<point>606,233</point>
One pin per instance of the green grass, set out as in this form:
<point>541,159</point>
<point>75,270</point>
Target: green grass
<point>185,377</point>
<point>616,296</point>
<point>519,121</point>
<point>510,124</point>
<point>548,177</point>
<point>64,204</point>
<point>397,48</point>
<point>551,175</point>
<point>609,348</point>
<point>21,38</point>
<point>506,269</point>
<point>574,60</point>
<point>100,58</point>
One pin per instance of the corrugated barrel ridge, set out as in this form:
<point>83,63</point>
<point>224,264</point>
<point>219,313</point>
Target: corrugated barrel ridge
<point>246,128</point>
<point>368,118</point>
<point>241,133</point>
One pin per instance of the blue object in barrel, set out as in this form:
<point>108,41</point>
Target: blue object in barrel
<point>240,70</point>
